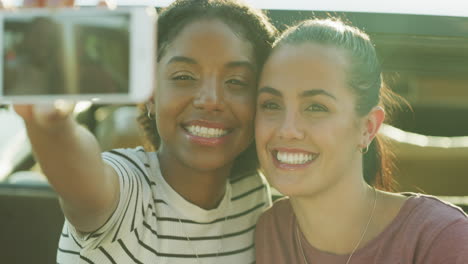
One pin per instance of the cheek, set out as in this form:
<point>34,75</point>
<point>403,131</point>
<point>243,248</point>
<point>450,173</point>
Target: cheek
<point>337,135</point>
<point>263,130</point>
<point>169,95</point>
<point>248,112</point>
<point>243,106</point>
<point>169,108</point>
<point>168,102</point>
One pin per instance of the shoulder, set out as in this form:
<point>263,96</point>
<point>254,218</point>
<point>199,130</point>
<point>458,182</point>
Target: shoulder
<point>278,213</point>
<point>129,159</point>
<point>443,229</point>
<point>437,225</point>
<point>251,186</point>
<point>276,222</point>
<point>131,164</point>
<point>429,214</point>
<point>246,178</point>
<point>434,210</point>
<point>137,154</point>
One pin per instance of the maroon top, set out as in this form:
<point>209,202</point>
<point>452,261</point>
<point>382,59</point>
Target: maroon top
<point>426,230</point>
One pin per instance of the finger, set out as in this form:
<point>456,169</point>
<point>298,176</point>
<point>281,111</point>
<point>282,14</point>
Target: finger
<point>49,3</point>
<point>44,114</point>
<point>59,109</point>
<point>111,4</point>
<point>64,107</point>
<point>34,3</point>
<point>25,111</point>
<point>102,3</point>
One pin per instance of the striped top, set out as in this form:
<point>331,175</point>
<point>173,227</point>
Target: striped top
<point>154,224</point>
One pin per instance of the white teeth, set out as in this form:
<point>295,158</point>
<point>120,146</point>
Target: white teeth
<point>207,132</point>
<point>294,158</point>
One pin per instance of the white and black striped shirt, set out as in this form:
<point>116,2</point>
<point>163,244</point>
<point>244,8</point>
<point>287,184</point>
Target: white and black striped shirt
<point>154,224</point>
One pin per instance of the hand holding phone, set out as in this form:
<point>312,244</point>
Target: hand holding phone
<point>70,158</point>
<point>40,113</point>
<point>86,54</point>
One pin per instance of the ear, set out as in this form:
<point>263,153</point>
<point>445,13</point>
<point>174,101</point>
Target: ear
<point>371,125</point>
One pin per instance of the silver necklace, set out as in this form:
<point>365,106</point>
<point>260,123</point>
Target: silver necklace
<point>222,234</point>
<point>358,243</point>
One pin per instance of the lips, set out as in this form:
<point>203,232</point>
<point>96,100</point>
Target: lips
<point>206,133</point>
<point>293,158</point>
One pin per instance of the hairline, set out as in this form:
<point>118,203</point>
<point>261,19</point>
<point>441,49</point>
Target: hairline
<point>237,29</point>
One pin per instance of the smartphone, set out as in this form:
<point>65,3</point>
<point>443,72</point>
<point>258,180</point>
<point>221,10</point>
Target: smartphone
<point>98,54</point>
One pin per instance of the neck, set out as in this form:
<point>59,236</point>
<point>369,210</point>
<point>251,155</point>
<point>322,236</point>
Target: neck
<point>202,188</point>
<point>334,220</point>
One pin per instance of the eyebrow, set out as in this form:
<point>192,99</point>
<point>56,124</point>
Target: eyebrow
<point>182,59</point>
<point>316,92</point>
<point>270,90</point>
<point>246,64</point>
<point>307,93</point>
<point>232,64</point>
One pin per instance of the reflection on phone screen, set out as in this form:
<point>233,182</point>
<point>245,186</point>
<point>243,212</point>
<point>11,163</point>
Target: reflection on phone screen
<point>66,55</point>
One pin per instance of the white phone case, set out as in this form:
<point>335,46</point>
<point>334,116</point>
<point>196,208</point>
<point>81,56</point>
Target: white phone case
<point>71,68</point>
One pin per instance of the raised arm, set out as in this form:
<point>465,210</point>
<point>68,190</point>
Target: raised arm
<point>70,158</point>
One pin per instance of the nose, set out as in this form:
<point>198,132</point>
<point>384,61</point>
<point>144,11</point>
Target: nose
<point>291,127</point>
<point>209,96</point>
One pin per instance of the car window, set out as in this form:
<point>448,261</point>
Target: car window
<point>14,145</point>
<point>15,149</point>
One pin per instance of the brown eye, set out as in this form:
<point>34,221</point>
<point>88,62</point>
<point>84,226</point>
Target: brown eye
<point>237,82</point>
<point>182,78</point>
<point>317,108</point>
<point>270,106</point>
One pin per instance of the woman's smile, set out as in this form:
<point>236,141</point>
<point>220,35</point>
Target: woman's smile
<point>206,133</point>
<point>292,158</point>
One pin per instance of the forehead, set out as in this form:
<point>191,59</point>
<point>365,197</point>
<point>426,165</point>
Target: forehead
<point>210,39</point>
<point>305,66</point>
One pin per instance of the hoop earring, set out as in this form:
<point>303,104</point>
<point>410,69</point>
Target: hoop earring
<point>148,112</point>
<point>364,150</point>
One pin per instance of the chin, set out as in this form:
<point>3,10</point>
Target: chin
<point>287,186</point>
<point>292,191</point>
<point>207,164</point>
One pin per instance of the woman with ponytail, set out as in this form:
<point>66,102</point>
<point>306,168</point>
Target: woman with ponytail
<point>321,102</point>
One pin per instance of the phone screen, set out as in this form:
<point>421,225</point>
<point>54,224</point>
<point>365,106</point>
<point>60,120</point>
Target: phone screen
<point>54,55</point>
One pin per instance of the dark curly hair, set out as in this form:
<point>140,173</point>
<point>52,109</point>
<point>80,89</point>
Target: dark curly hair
<point>251,24</point>
<point>364,76</point>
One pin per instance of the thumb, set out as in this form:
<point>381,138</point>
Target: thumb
<point>47,115</point>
